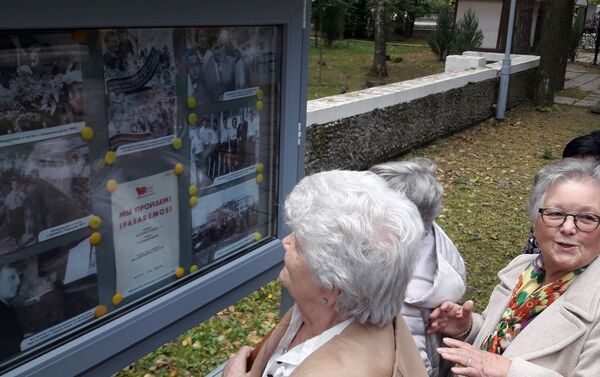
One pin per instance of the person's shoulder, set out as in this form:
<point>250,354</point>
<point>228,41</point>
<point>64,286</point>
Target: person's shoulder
<point>515,267</point>
<point>360,350</point>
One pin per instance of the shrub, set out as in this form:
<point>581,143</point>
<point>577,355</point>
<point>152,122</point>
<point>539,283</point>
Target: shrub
<point>576,33</point>
<point>440,42</point>
<point>467,35</point>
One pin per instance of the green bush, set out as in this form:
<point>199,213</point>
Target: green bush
<point>576,33</point>
<point>440,42</point>
<point>467,35</point>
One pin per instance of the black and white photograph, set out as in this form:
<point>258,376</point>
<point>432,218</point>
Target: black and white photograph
<point>223,146</point>
<point>223,60</point>
<point>224,222</point>
<point>45,295</point>
<point>40,81</point>
<point>42,185</point>
<point>139,72</point>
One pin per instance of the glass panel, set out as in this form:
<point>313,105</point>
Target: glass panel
<point>131,160</point>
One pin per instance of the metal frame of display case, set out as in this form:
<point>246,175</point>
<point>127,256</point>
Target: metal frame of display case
<point>112,346</point>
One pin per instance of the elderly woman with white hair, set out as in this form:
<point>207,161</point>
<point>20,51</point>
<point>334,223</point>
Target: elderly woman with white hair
<point>347,264</point>
<point>440,271</point>
<point>543,318</point>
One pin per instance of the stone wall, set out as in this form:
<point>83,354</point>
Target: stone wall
<point>361,140</point>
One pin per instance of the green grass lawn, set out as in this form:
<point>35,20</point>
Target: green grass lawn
<point>345,66</point>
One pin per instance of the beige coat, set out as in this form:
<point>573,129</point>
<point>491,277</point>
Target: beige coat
<point>359,351</point>
<point>564,340</point>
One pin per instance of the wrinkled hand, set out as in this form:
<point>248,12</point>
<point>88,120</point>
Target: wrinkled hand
<point>451,318</point>
<point>236,366</point>
<point>471,362</point>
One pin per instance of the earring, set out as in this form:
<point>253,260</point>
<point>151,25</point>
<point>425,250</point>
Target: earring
<point>325,301</point>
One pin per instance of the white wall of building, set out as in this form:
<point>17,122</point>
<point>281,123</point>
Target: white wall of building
<point>488,13</point>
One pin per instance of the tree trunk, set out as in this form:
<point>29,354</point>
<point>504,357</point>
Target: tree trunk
<point>523,21</point>
<point>537,35</point>
<point>409,26</point>
<point>379,68</point>
<point>501,40</point>
<point>558,16</point>
<point>597,42</point>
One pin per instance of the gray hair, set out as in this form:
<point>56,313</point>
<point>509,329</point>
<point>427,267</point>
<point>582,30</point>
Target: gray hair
<point>568,169</point>
<point>416,179</point>
<point>358,235</point>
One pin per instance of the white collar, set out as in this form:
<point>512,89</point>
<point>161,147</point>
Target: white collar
<point>283,361</point>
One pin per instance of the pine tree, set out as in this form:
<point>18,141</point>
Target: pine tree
<point>467,35</point>
<point>440,42</point>
<point>577,33</point>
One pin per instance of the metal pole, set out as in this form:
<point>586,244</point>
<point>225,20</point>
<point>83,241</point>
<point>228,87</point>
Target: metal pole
<point>505,71</point>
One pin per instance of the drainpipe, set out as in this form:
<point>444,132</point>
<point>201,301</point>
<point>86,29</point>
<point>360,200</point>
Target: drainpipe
<point>505,71</point>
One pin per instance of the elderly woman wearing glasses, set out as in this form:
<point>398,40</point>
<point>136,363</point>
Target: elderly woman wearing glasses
<point>347,264</point>
<point>543,318</point>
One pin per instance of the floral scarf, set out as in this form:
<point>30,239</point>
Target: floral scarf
<point>529,298</point>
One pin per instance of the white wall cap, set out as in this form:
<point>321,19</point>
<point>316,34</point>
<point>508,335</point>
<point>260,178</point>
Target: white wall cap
<point>460,62</point>
<point>330,109</point>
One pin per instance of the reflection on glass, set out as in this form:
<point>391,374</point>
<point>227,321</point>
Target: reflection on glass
<point>110,139</point>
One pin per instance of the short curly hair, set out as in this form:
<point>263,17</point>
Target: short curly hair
<point>359,236</point>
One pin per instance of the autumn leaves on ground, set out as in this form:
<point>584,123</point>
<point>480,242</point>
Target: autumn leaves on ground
<point>486,171</point>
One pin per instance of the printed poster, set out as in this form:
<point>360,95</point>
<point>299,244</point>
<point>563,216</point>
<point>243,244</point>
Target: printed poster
<point>145,217</point>
<point>139,72</point>
<point>48,294</point>
<point>41,82</point>
<point>224,146</point>
<point>226,63</point>
<point>44,190</point>
<point>224,222</point>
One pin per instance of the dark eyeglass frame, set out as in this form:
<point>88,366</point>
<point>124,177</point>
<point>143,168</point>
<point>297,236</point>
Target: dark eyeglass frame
<point>541,211</point>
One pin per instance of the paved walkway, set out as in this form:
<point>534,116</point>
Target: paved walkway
<point>578,77</point>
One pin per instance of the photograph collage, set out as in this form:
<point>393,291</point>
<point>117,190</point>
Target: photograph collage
<point>45,185</point>
<point>47,166</point>
<point>226,66</point>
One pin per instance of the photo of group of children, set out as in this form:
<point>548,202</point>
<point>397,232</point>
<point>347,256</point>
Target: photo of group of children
<point>40,81</point>
<point>140,84</point>
<point>222,144</point>
<point>45,295</point>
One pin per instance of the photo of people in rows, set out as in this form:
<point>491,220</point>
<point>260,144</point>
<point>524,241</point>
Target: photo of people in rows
<point>43,291</point>
<point>224,222</point>
<point>40,81</point>
<point>221,60</point>
<point>223,143</point>
<point>42,185</point>
<point>140,84</point>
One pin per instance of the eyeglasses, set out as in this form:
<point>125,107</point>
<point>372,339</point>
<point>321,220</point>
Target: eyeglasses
<point>585,222</point>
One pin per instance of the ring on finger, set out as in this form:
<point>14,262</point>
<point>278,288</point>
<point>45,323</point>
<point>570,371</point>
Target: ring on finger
<point>468,363</point>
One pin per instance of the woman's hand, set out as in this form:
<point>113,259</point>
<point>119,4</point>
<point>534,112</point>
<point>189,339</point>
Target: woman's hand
<point>451,319</point>
<point>471,362</point>
<point>236,366</point>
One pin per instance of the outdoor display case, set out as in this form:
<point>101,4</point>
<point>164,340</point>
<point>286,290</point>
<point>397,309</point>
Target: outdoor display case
<point>145,149</point>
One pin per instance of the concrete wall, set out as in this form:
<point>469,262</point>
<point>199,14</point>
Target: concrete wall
<point>356,130</point>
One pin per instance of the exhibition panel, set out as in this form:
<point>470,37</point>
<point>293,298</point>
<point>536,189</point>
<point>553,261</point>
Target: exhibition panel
<point>138,165</point>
